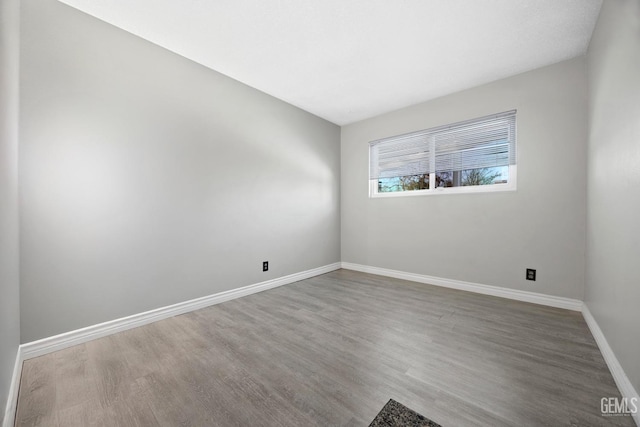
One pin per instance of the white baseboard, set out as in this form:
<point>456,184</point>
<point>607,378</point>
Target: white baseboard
<point>619,376</point>
<point>12,398</point>
<point>68,339</point>
<point>536,298</point>
<point>622,381</point>
<point>79,336</point>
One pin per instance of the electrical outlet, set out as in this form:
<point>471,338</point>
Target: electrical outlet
<point>265,265</point>
<point>531,274</point>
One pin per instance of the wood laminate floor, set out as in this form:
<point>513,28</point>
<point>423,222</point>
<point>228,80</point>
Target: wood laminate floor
<point>331,351</point>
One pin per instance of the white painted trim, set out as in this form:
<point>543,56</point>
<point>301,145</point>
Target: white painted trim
<point>536,298</point>
<point>79,336</point>
<point>510,185</point>
<point>12,398</point>
<point>68,339</point>
<point>619,376</point>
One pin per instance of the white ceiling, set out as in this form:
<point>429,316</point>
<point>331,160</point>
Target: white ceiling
<point>347,60</point>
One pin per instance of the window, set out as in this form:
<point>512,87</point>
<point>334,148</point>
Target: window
<point>470,156</point>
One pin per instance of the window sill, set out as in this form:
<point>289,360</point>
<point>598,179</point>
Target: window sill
<point>445,191</point>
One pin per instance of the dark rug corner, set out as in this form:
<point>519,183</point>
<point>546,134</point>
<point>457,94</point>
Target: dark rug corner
<point>395,414</point>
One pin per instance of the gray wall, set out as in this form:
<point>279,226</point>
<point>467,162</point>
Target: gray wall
<point>486,238</point>
<point>9,265</point>
<point>613,227</point>
<point>149,180</point>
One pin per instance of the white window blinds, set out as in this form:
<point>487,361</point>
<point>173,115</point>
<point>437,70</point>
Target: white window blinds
<point>479,143</point>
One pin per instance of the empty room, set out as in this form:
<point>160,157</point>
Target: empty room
<point>319,213</point>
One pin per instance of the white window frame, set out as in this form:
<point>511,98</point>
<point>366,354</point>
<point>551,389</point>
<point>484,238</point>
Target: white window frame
<point>507,186</point>
<point>510,185</point>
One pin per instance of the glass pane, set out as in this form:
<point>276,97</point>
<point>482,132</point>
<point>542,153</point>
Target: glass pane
<point>446,179</point>
<point>485,176</point>
<point>479,176</point>
<point>403,183</point>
